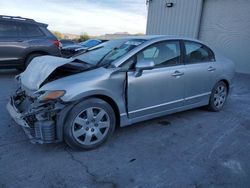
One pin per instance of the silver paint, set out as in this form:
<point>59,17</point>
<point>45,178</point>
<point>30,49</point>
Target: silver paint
<point>39,69</point>
<point>154,93</point>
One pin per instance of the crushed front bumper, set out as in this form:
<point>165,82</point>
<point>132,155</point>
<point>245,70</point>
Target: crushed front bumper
<point>42,131</point>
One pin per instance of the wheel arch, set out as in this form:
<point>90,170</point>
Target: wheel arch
<point>27,54</point>
<point>64,113</point>
<point>35,52</point>
<point>226,82</point>
<point>112,103</point>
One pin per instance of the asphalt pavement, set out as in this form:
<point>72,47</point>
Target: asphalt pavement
<point>195,149</point>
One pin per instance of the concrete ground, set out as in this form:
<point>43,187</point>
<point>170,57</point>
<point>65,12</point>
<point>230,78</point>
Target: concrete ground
<point>195,148</point>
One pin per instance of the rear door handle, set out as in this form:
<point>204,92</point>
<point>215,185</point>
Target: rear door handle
<point>177,73</point>
<point>211,69</point>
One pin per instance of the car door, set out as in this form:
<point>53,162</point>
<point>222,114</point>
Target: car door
<point>11,44</point>
<point>161,88</point>
<point>199,72</point>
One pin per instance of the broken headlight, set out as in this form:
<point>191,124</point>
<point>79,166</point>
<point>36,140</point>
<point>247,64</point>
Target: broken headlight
<point>51,95</point>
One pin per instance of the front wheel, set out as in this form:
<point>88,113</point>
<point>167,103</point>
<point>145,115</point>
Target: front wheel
<point>89,124</point>
<point>218,97</point>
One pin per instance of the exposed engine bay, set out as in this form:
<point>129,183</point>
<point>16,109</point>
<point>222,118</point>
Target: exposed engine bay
<point>68,69</point>
<point>38,118</point>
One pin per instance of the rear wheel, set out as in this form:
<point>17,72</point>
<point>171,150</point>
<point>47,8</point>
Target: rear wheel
<point>89,124</point>
<point>218,97</point>
<point>20,68</point>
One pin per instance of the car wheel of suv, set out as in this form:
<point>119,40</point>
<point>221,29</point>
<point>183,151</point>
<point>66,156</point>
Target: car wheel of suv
<point>30,58</point>
<point>218,97</point>
<point>89,124</point>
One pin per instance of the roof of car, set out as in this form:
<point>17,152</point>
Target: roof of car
<point>21,20</point>
<point>163,37</point>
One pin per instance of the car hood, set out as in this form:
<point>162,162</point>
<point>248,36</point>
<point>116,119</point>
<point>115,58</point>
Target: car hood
<point>73,46</point>
<point>81,48</point>
<point>40,69</point>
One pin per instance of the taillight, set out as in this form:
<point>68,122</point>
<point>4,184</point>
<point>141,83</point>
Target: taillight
<point>57,43</point>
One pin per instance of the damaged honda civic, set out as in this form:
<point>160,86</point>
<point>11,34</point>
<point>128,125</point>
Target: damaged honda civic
<point>80,100</point>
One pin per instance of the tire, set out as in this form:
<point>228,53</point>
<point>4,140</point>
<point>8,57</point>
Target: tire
<point>89,124</point>
<point>30,58</point>
<point>21,69</point>
<point>218,97</point>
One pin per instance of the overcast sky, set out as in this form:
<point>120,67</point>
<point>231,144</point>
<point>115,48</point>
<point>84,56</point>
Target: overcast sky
<point>77,16</point>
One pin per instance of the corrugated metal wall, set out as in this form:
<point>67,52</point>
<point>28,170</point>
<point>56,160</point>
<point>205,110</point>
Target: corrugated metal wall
<point>225,25</point>
<point>183,19</point>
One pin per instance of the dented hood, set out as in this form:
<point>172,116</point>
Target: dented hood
<point>39,69</point>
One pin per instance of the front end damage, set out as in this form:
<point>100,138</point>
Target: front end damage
<point>49,88</point>
<point>38,119</point>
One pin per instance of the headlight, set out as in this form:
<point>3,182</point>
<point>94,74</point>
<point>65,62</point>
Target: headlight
<point>51,95</point>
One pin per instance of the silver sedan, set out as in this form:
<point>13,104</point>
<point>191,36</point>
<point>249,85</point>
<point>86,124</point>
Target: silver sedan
<point>82,99</point>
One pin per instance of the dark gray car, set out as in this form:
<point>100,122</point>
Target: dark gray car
<point>82,99</point>
<point>22,39</point>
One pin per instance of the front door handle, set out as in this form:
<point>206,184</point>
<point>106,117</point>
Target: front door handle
<point>177,73</point>
<point>211,69</point>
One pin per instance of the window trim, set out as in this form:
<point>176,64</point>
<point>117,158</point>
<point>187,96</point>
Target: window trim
<point>181,62</point>
<point>196,42</point>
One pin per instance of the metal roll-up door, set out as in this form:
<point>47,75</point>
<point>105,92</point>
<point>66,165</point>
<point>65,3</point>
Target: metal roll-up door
<point>225,25</point>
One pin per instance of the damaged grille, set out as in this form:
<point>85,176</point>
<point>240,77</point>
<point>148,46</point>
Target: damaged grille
<point>45,131</point>
<point>41,117</point>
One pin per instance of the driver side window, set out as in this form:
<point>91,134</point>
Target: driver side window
<point>162,53</point>
<point>150,53</point>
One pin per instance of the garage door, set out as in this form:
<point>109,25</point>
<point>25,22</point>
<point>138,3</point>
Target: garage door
<point>225,25</point>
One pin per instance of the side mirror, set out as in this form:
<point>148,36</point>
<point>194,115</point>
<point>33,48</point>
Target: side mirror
<point>143,65</point>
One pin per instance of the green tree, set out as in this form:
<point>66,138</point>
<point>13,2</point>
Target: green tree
<point>83,37</point>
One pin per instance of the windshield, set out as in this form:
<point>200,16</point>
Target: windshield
<point>108,52</point>
<point>90,43</point>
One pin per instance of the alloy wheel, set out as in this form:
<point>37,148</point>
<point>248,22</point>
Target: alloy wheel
<point>91,125</point>
<point>220,96</point>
